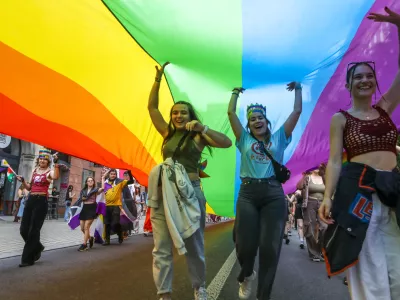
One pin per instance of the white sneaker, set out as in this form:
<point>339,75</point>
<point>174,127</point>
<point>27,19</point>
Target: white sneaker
<point>245,286</point>
<point>200,294</point>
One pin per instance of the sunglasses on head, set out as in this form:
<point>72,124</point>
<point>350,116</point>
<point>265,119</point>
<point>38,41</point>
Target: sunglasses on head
<point>352,64</point>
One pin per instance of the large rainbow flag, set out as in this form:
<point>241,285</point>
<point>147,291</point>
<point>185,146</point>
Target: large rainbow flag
<point>76,74</point>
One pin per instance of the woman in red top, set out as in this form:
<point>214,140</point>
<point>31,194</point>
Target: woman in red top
<point>36,206</point>
<point>363,235</point>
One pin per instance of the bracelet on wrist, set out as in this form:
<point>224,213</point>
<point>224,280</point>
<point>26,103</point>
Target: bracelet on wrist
<point>298,86</point>
<point>237,94</point>
<point>205,129</point>
<point>157,79</point>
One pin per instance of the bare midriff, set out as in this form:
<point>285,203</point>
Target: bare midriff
<point>316,196</point>
<point>380,160</point>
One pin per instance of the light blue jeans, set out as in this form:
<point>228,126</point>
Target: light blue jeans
<point>162,252</point>
<point>67,214</point>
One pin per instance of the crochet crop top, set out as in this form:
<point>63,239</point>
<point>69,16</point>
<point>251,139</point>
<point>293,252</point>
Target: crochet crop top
<point>364,136</point>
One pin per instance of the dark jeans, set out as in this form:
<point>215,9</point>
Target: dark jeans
<point>112,221</point>
<point>261,212</point>
<point>32,221</point>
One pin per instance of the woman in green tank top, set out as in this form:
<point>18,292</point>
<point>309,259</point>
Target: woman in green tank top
<point>183,118</point>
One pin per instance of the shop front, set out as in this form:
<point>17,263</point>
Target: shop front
<point>10,150</point>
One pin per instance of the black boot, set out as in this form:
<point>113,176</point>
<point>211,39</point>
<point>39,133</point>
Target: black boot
<point>107,229</point>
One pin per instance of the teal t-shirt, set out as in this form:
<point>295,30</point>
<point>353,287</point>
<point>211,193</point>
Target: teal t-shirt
<point>254,163</point>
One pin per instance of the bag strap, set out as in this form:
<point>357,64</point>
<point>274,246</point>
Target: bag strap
<point>178,147</point>
<point>261,144</point>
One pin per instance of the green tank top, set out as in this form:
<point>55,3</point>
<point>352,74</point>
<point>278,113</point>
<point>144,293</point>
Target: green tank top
<point>189,156</point>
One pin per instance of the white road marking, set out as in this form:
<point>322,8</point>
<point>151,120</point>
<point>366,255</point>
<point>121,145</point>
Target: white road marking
<point>216,285</point>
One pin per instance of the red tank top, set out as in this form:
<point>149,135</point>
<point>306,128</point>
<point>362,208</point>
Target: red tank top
<point>364,136</point>
<point>39,183</point>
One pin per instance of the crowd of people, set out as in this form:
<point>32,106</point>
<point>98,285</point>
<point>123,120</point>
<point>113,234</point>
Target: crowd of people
<point>346,215</point>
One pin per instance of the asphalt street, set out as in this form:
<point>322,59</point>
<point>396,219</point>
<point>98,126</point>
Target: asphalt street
<point>124,272</point>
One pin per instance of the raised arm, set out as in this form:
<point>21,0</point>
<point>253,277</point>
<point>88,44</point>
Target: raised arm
<point>55,173</point>
<point>334,165</point>
<point>209,137</point>
<point>103,180</point>
<point>156,117</point>
<point>216,139</point>
<point>293,118</point>
<point>391,99</point>
<point>233,118</point>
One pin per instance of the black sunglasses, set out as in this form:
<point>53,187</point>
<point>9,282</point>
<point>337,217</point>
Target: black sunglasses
<point>352,64</point>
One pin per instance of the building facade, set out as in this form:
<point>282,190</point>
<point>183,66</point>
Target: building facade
<point>21,156</point>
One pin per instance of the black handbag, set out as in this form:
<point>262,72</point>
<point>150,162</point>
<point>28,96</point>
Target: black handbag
<point>282,173</point>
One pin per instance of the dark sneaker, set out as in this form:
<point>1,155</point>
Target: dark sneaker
<point>120,239</point>
<point>91,242</point>
<point>82,248</point>
<point>38,255</point>
<point>287,241</point>
<point>301,246</point>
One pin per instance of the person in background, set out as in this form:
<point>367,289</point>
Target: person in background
<point>113,187</point>
<point>68,200</point>
<point>288,225</point>
<point>55,196</point>
<point>313,186</point>
<point>138,202</point>
<point>298,216</point>
<point>89,210</point>
<point>129,207</point>
<point>36,206</point>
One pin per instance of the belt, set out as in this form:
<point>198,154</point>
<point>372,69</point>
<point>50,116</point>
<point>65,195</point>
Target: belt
<point>314,199</point>
<point>257,180</point>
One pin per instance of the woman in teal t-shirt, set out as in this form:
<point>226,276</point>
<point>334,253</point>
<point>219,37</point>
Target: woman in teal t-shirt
<point>261,207</point>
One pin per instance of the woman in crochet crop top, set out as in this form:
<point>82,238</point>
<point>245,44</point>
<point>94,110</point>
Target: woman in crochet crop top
<point>183,119</point>
<point>369,137</point>
<point>36,206</point>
